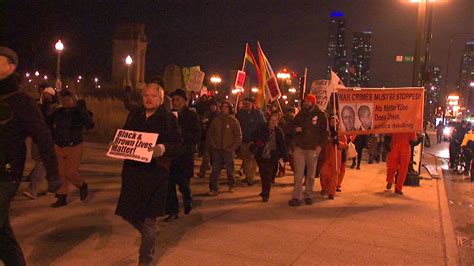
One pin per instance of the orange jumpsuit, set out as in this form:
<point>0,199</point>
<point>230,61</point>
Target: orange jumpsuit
<point>399,158</point>
<point>330,176</point>
<point>343,164</point>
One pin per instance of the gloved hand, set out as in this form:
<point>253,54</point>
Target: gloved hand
<point>54,184</point>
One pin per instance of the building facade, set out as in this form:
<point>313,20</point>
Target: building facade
<point>466,78</point>
<point>337,52</point>
<point>359,68</point>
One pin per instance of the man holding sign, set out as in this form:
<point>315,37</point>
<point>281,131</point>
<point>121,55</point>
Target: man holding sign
<point>145,185</point>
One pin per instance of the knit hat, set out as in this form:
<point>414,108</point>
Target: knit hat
<point>311,98</point>
<point>10,54</point>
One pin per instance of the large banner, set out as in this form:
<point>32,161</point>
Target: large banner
<point>133,145</point>
<point>381,110</point>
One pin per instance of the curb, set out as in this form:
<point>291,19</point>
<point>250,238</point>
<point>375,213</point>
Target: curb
<point>450,246</point>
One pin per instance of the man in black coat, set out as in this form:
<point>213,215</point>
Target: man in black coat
<point>19,117</point>
<point>145,185</point>
<point>182,168</point>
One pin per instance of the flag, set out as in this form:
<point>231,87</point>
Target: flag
<point>251,59</point>
<point>268,84</point>
<point>335,78</point>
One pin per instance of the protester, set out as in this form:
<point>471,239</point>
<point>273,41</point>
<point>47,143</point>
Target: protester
<point>144,185</point>
<point>270,147</point>
<point>310,136</point>
<point>19,117</point>
<point>206,122</point>
<point>47,102</point>
<point>333,167</point>
<point>455,142</point>
<point>439,132</point>
<point>182,168</point>
<point>399,159</point>
<point>467,147</point>
<point>68,124</point>
<point>286,124</point>
<point>250,119</point>
<point>224,137</point>
<point>360,142</point>
<point>374,146</point>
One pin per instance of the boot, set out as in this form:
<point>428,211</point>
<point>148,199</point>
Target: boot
<point>83,192</point>
<point>62,201</point>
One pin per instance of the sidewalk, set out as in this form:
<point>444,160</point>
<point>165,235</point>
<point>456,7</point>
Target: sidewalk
<point>364,225</point>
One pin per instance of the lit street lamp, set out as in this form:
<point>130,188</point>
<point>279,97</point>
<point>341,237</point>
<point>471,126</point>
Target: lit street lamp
<point>128,62</point>
<point>254,90</point>
<point>215,80</point>
<point>45,77</point>
<point>59,48</point>
<point>96,80</point>
<point>37,73</point>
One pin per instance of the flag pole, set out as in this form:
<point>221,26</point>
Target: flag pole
<point>334,114</point>
<point>243,69</point>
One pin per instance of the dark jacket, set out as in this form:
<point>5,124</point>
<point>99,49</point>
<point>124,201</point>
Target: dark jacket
<point>314,126</point>
<point>68,124</point>
<point>249,121</point>
<point>20,117</point>
<point>260,138</point>
<point>183,165</point>
<point>145,185</point>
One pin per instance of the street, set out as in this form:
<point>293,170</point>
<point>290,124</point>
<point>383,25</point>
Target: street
<point>238,229</point>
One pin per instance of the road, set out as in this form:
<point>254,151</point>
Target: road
<point>460,192</point>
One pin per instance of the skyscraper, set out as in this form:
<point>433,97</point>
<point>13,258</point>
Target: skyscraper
<point>337,53</point>
<point>466,78</point>
<point>359,68</point>
<point>433,92</point>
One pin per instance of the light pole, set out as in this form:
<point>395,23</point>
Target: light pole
<point>59,48</point>
<point>215,80</point>
<point>415,82</point>
<point>128,62</point>
<point>284,76</point>
<point>95,81</point>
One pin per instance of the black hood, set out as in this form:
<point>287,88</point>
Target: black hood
<point>10,84</point>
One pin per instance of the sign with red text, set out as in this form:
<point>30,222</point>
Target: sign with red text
<point>133,145</point>
<point>240,80</point>
<point>381,110</point>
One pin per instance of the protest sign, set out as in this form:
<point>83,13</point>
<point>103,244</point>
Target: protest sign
<point>381,110</point>
<point>273,89</point>
<point>196,78</point>
<point>323,89</point>
<point>187,73</point>
<point>240,80</point>
<point>133,145</point>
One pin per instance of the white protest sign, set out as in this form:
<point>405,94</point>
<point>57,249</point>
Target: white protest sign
<point>196,78</point>
<point>322,90</point>
<point>133,145</point>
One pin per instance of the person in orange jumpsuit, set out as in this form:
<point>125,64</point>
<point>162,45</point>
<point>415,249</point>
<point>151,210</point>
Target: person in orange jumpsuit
<point>332,151</point>
<point>349,138</point>
<point>398,159</point>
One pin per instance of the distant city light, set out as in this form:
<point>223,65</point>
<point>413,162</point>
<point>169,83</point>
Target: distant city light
<point>292,90</point>
<point>471,84</point>
<point>98,86</point>
<point>254,89</point>
<point>128,60</point>
<point>284,97</point>
<point>29,80</point>
<point>27,75</point>
<point>216,79</point>
<point>59,46</point>
<point>80,77</point>
<point>336,14</point>
<point>37,73</point>
<point>96,80</point>
<point>45,77</point>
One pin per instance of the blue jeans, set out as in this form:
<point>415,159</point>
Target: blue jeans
<point>10,250</point>
<point>219,159</point>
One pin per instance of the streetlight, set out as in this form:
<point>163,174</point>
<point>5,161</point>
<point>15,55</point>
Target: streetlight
<point>471,84</point>
<point>45,77</point>
<point>284,75</point>
<point>96,80</point>
<point>128,62</point>
<point>59,48</point>
<point>215,80</point>
<point>37,73</point>
<point>27,75</point>
<point>254,90</point>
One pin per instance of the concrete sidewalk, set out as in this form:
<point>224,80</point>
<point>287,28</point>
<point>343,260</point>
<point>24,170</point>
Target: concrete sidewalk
<point>365,224</point>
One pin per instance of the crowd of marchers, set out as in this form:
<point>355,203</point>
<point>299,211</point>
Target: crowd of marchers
<point>306,138</point>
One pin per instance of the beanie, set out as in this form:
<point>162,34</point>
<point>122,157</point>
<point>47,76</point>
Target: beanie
<point>311,98</point>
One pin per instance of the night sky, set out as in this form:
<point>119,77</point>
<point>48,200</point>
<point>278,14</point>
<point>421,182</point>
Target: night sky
<point>213,34</point>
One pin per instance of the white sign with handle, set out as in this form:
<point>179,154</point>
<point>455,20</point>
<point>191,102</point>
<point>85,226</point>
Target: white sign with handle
<point>133,145</point>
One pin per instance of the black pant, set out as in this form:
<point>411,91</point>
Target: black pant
<point>359,156</point>
<point>268,170</point>
<point>147,229</point>
<point>10,250</point>
<point>172,204</point>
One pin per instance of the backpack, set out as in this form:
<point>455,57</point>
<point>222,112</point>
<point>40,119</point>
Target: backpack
<point>6,115</point>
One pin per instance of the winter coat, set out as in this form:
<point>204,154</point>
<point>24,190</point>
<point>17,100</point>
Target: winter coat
<point>314,126</point>
<point>20,117</point>
<point>250,121</point>
<point>145,185</point>
<point>260,138</point>
<point>190,127</point>
<point>224,133</point>
<point>68,124</point>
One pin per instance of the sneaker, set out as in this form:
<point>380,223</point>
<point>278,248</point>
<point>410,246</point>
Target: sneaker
<point>264,199</point>
<point>358,167</point>
<point>231,190</point>
<point>212,193</point>
<point>331,197</point>
<point>389,185</point>
<point>60,202</point>
<point>308,201</point>
<point>398,192</point>
<point>353,166</point>
<point>294,202</point>
<point>29,195</point>
<point>338,189</point>
<point>83,192</point>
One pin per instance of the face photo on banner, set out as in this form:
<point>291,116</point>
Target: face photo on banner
<point>348,117</point>
<point>365,116</point>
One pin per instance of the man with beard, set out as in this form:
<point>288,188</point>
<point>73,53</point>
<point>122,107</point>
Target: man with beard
<point>144,185</point>
<point>19,117</point>
<point>182,168</point>
<point>311,134</point>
